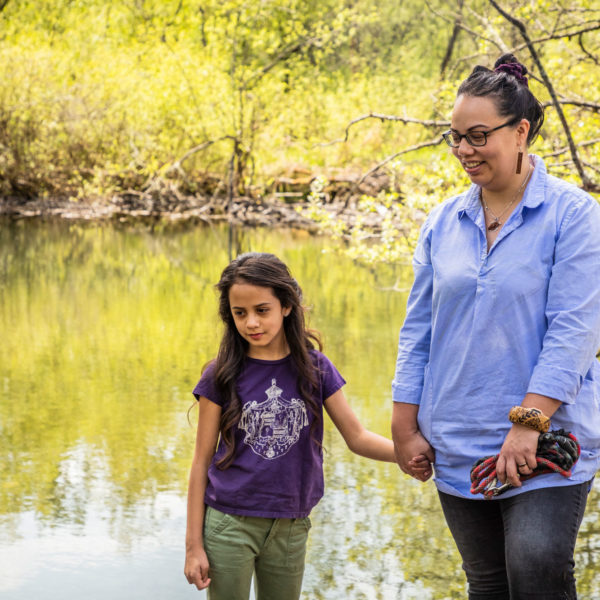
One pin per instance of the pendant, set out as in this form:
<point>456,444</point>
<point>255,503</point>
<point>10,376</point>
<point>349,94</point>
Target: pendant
<point>493,226</point>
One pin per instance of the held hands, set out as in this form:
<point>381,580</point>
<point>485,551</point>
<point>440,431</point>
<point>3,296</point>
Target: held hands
<point>517,456</point>
<point>196,568</point>
<point>414,456</point>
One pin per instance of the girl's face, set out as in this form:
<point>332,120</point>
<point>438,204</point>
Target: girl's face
<point>491,166</point>
<point>258,317</point>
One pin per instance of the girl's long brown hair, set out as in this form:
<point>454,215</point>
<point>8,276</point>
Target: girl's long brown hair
<point>263,270</point>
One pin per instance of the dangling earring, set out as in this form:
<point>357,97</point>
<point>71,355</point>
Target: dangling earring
<point>519,160</point>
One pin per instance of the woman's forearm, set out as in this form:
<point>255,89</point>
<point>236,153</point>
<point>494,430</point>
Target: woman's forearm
<point>404,420</point>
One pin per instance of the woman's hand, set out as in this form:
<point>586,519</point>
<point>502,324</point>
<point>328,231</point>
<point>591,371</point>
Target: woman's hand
<point>414,455</point>
<point>517,455</point>
<point>196,568</point>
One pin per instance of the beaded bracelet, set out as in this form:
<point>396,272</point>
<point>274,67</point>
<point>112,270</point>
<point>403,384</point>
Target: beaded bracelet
<point>533,418</point>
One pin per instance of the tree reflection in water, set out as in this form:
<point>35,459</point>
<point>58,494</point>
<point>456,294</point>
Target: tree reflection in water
<point>104,332</point>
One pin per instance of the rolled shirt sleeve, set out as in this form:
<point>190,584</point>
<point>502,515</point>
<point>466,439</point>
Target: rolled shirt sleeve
<point>415,335</point>
<point>572,313</point>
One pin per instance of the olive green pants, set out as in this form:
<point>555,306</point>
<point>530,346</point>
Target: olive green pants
<point>272,550</point>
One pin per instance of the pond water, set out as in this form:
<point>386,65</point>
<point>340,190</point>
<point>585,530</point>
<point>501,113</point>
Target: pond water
<point>104,332</point>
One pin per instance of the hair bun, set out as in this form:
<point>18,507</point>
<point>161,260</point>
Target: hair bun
<point>509,64</point>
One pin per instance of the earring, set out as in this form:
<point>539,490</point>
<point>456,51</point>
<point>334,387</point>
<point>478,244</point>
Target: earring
<point>519,160</point>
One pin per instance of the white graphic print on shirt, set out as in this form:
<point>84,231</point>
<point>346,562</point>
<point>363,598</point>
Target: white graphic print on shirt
<point>273,426</point>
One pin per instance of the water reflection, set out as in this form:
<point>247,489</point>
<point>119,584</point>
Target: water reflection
<point>104,331</point>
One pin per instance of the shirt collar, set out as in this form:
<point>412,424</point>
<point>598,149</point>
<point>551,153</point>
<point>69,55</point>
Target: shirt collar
<point>534,193</point>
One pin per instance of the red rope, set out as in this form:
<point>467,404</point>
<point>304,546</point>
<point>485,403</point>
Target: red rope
<point>484,478</point>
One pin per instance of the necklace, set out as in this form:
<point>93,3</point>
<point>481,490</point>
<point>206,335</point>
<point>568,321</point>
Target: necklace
<point>497,222</point>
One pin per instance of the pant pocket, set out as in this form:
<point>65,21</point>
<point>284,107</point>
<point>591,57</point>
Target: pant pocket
<point>296,547</point>
<point>215,522</point>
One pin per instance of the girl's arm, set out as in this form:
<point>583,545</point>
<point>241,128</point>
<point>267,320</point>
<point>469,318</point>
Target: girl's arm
<point>358,439</point>
<point>196,562</point>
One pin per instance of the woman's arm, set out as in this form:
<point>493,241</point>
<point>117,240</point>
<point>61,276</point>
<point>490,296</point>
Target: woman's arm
<point>573,335</point>
<point>520,445</point>
<point>572,307</point>
<point>196,562</point>
<point>414,454</point>
<point>358,439</point>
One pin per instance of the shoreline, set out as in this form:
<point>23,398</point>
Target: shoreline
<point>244,211</point>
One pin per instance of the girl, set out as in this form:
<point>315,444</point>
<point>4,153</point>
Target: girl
<point>262,400</point>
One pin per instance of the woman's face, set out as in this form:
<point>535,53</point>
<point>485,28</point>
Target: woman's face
<point>494,165</point>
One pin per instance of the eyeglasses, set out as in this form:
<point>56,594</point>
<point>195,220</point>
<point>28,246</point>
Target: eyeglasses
<point>474,138</point>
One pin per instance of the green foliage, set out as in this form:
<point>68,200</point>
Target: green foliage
<point>99,97</point>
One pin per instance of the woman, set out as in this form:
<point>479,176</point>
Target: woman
<point>504,312</point>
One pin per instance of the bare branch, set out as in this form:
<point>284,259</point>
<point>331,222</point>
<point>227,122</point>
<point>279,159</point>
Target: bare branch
<point>457,20</point>
<point>584,49</point>
<point>405,120</point>
<point>581,103</point>
<point>558,36</point>
<point>499,42</point>
<point>3,4</point>
<point>587,184</point>
<point>176,165</point>
<point>381,117</point>
<point>568,164</point>
<point>594,168</point>
<point>580,145</point>
<point>283,55</point>
<point>452,40</point>
<point>384,162</point>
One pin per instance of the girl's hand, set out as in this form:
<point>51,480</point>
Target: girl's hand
<point>196,568</point>
<point>414,455</point>
<point>517,455</point>
<point>420,467</point>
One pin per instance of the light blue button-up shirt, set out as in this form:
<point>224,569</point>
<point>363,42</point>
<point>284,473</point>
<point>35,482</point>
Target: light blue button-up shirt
<point>483,328</point>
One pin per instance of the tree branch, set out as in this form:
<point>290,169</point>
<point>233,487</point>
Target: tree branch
<point>283,55</point>
<point>452,40</point>
<point>587,184</point>
<point>384,162</point>
<point>584,49</point>
<point>457,20</point>
<point>405,120</point>
<point>580,145</point>
<point>176,165</point>
<point>499,42</point>
<point>3,4</point>
<point>571,102</point>
<point>558,36</point>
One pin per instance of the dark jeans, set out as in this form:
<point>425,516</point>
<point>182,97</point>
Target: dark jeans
<point>519,548</point>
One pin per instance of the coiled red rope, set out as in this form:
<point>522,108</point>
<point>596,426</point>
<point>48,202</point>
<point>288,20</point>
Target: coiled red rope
<point>557,452</point>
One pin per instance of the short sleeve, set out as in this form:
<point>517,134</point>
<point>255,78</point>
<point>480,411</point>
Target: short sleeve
<point>331,380</point>
<point>206,386</point>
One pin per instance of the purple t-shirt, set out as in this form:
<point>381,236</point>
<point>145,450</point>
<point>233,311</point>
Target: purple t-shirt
<point>277,471</point>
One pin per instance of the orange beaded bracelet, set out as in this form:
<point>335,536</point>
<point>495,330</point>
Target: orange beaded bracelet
<point>530,417</point>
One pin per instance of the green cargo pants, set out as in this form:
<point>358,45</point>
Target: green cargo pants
<point>238,547</point>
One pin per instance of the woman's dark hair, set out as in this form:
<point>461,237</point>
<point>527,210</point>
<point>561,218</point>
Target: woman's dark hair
<point>263,270</point>
<point>507,86</point>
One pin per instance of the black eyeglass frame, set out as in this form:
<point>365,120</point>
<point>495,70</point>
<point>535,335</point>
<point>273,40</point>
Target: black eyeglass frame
<point>448,135</point>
